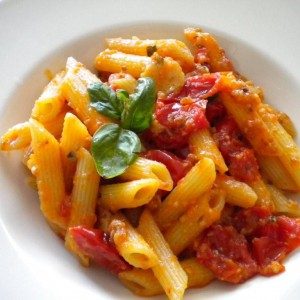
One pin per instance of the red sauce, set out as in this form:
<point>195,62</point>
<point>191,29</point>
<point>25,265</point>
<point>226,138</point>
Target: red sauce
<point>250,241</point>
<point>225,252</point>
<point>95,244</point>
<point>240,159</point>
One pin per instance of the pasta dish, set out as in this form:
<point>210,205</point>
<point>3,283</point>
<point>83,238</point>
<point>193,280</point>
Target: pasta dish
<point>167,167</point>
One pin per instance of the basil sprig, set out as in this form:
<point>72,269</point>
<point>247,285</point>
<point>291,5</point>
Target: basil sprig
<point>138,109</point>
<point>133,111</point>
<point>115,147</point>
<point>104,100</point>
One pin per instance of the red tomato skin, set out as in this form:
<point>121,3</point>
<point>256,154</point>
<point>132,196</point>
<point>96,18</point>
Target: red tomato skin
<point>176,166</point>
<point>95,244</point>
<point>226,253</point>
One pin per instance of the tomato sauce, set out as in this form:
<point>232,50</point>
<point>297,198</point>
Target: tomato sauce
<point>248,242</point>
<point>239,157</point>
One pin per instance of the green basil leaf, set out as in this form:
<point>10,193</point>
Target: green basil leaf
<point>104,100</point>
<point>137,113</point>
<point>114,149</point>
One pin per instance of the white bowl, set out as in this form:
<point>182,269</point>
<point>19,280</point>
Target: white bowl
<point>35,260</point>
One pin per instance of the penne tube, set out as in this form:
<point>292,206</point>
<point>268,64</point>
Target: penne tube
<point>85,191</point>
<point>74,136</point>
<point>168,271</point>
<point>262,192</point>
<point>132,46</point>
<point>55,126</point>
<point>165,48</point>
<point>196,182</point>
<point>217,58</point>
<point>143,282</point>
<point>51,103</point>
<point>16,138</point>
<point>202,144</point>
<point>272,168</point>
<point>130,244</point>
<point>237,193</point>
<point>114,61</point>
<point>198,217</point>
<point>49,174</point>
<point>83,200</point>
<point>283,204</point>
<point>263,131</point>
<point>146,168</point>
<point>74,89</point>
<point>288,151</point>
<point>128,194</point>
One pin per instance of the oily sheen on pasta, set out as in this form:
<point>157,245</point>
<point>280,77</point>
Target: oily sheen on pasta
<point>167,168</point>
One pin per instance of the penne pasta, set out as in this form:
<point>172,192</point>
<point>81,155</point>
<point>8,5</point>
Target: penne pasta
<point>83,199</point>
<point>165,48</point>
<point>51,103</point>
<point>130,244</point>
<point>237,193</point>
<point>263,193</point>
<point>55,126</point>
<point>196,182</point>
<point>16,138</point>
<point>74,89</point>
<point>267,136</point>
<point>128,194</point>
<point>202,144</point>
<point>49,174</point>
<point>143,282</point>
<point>168,271</point>
<point>282,204</point>
<point>114,61</point>
<point>74,136</point>
<point>201,215</point>
<point>146,168</point>
<point>217,58</point>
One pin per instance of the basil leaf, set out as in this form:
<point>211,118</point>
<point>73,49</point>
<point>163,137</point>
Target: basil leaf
<point>114,149</point>
<point>104,100</point>
<point>138,110</point>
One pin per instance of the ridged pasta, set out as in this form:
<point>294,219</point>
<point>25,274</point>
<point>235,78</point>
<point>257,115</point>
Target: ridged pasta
<point>51,102</point>
<point>130,244</point>
<point>146,168</point>
<point>74,136</point>
<point>202,144</point>
<point>143,282</point>
<point>16,138</point>
<point>197,181</point>
<point>168,271</point>
<point>83,199</point>
<point>128,194</point>
<point>237,193</point>
<point>49,174</point>
<point>114,61</point>
<point>201,215</point>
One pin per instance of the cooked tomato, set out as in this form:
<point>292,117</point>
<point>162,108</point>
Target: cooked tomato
<point>177,121</point>
<point>95,244</point>
<point>215,111</point>
<point>225,252</point>
<point>176,166</point>
<point>199,87</point>
<point>241,160</point>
